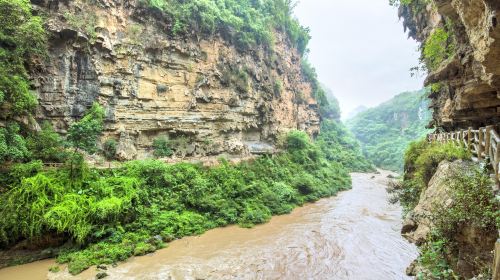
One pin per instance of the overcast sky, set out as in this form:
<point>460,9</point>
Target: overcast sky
<point>359,50</point>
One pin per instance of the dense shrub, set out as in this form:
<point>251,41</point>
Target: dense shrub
<point>161,147</point>
<point>245,23</point>
<point>437,48</point>
<point>111,215</point>
<point>473,206</point>
<point>22,36</point>
<point>46,144</point>
<point>12,144</point>
<point>421,161</point>
<point>83,134</point>
<point>109,149</point>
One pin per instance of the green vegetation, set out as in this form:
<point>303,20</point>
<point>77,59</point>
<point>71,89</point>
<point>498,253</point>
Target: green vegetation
<point>12,145</point>
<point>161,146</point>
<point>21,37</point>
<point>473,206</point>
<point>437,48</point>
<point>328,105</point>
<point>339,145</point>
<point>386,130</point>
<point>245,23</point>
<point>109,149</point>
<point>110,215</point>
<point>421,161</point>
<point>46,144</point>
<point>83,135</point>
<point>420,4</point>
<point>84,22</point>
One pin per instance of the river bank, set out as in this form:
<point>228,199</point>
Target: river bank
<point>352,236</point>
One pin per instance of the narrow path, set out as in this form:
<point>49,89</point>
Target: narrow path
<point>352,236</point>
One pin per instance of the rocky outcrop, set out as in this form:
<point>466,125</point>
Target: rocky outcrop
<point>473,245</point>
<point>467,91</point>
<point>201,92</point>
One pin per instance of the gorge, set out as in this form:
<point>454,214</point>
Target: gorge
<point>148,139</point>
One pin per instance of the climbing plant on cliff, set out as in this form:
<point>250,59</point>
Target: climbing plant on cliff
<point>22,37</point>
<point>437,48</point>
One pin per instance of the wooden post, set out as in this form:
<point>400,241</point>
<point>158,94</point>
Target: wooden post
<point>487,141</point>
<point>469,139</point>
<point>480,145</point>
<point>462,137</point>
<point>496,161</point>
<point>496,260</point>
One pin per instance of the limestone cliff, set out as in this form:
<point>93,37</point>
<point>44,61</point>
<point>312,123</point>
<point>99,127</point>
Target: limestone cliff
<point>466,84</point>
<point>201,90</point>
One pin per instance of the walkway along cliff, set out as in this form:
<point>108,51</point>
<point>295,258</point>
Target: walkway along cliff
<point>452,202</point>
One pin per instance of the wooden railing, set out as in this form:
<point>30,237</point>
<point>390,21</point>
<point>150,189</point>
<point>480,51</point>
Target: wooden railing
<point>52,165</point>
<point>483,143</point>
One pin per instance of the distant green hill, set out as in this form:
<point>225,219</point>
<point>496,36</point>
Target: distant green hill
<point>386,130</point>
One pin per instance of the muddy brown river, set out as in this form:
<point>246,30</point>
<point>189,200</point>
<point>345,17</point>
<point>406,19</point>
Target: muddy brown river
<point>354,235</point>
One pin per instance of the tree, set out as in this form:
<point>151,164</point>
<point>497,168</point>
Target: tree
<point>109,149</point>
<point>161,147</point>
<point>83,134</point>
<point>12,145</point>
<point>46,144</point>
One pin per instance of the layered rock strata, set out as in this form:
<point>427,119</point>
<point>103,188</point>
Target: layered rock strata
<point>467,82</point>
<point>204,94</point>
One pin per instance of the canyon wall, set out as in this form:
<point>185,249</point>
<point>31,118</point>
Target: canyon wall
<point>201,92</point>
<point>466,85</point>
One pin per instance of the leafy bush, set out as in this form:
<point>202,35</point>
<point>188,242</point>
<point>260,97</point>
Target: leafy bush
<point>423,158</point>
<point>110,215</point>
<point>245,23</point>
<point>277,88</point>
<point>161,147</point>
<point>109,149</point>
<point>22,36</point>
<point>473,206</point>
<point>46,144</point>
<point>12,144</point>
<point>83,134</point>
<point>421,161</point>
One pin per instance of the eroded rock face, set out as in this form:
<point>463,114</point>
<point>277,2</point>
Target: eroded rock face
<point>474,244</point>
<point>470,95</point>
<point>417,225</point>
<point>201,90</point>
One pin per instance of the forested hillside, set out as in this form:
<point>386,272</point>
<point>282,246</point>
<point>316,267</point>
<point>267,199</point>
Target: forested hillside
<point>386,130</point>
